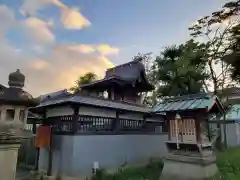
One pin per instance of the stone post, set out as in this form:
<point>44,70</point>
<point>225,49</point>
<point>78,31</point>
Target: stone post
<point>11,136</point>
<point>8,158</point>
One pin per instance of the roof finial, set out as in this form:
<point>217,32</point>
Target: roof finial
<point>16,79</point>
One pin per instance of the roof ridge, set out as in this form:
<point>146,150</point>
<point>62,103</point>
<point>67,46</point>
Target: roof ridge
<point>124,64</point>
<point>189,96</point>
<point>110,100</point>
<point>98,98</point>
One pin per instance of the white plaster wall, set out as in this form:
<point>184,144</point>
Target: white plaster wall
<point>94,111</point>
<point>232,135</point>
<point>75,155</point>
<point>132,115</point>
<point>59,111</point>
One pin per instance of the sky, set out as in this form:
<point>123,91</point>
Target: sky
<point>53,42</point>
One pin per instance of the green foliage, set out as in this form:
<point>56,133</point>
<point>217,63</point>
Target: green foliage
<point>149,172</point>
<point>179,70</point>
<point>220,32</point>
<point>82,80</point>
<point>229,165</point>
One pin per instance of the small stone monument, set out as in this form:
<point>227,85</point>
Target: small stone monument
<point>190,155</point>
<point>14,103</point>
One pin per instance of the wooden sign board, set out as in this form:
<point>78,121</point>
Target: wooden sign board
<point>43,137</point>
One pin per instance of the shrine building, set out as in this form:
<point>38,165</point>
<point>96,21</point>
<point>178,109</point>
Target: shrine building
<point>105,126</point>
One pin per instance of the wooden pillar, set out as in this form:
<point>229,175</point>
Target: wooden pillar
<point>169,129</point>
<point>50,151</point>
<point>181,128</point>
<point>34,130</point>
<point>116,122</point>
<point>75,119</point>
<point>198,129</point>
<point>50,157</point>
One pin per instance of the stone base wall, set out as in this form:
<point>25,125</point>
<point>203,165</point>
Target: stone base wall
<point>188,168</point>
<point>75,155</point>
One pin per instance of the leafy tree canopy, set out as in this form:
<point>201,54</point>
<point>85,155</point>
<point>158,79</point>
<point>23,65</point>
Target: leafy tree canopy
<point>179,70</point>
<point>220,32</point>
<point>82,80</point>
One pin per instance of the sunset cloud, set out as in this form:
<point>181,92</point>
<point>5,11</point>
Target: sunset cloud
<point>39,64</point>
<point>38,30</point>
<point>63,67</point>
<point>83,48</point>
<point>47,63</point>
<point>107,50</point>
<point>71,18</point>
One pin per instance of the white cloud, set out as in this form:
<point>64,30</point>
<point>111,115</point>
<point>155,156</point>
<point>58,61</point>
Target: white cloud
<point>39,64</point>
<point>61,68</point>
<point>107,50</point>
<point>52,72</point>
<point>103,49</point>
<point>38,30</point>
<point>47,65</point>
<point>71,18</point>
<point>82,48</point>
<point>30,7</point>
<point>6,19</point>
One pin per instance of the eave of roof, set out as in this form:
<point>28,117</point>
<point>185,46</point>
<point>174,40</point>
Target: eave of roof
<point>103,82</point>
<point>189,103</point>
<point>93,101</point>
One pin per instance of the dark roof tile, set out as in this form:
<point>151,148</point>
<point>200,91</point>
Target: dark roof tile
<point>94,101</point>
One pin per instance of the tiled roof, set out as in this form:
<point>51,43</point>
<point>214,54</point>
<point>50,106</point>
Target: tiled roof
<point>94,101</point>
<point>189,102</point>
<point>15,95</point>
<point>57,94</point>
<point>33,115</point>
<point>128,71</point>
<point>132,72</point>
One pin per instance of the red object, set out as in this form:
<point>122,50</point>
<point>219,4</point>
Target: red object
<point>43,137</point>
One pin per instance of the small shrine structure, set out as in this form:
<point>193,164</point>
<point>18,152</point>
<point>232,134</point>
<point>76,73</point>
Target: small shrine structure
<point>14,104</point>
<point>91,130</point>
<point>190,154</point>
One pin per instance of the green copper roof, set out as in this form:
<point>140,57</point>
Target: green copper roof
<point>189,102</point>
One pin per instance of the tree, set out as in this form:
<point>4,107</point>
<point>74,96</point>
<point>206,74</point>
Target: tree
<point>82,80</point>
<point>179,70</point>
<point>217,33</point>
<point>233,58</point>
<point>221,33</point>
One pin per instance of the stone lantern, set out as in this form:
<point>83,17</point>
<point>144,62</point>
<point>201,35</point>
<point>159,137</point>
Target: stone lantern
<point>14,104</point>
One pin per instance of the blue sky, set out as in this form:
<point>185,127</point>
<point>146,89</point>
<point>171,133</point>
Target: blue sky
<point>70,37</point>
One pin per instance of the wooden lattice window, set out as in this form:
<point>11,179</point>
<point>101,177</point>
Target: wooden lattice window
<point>185,129</point>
